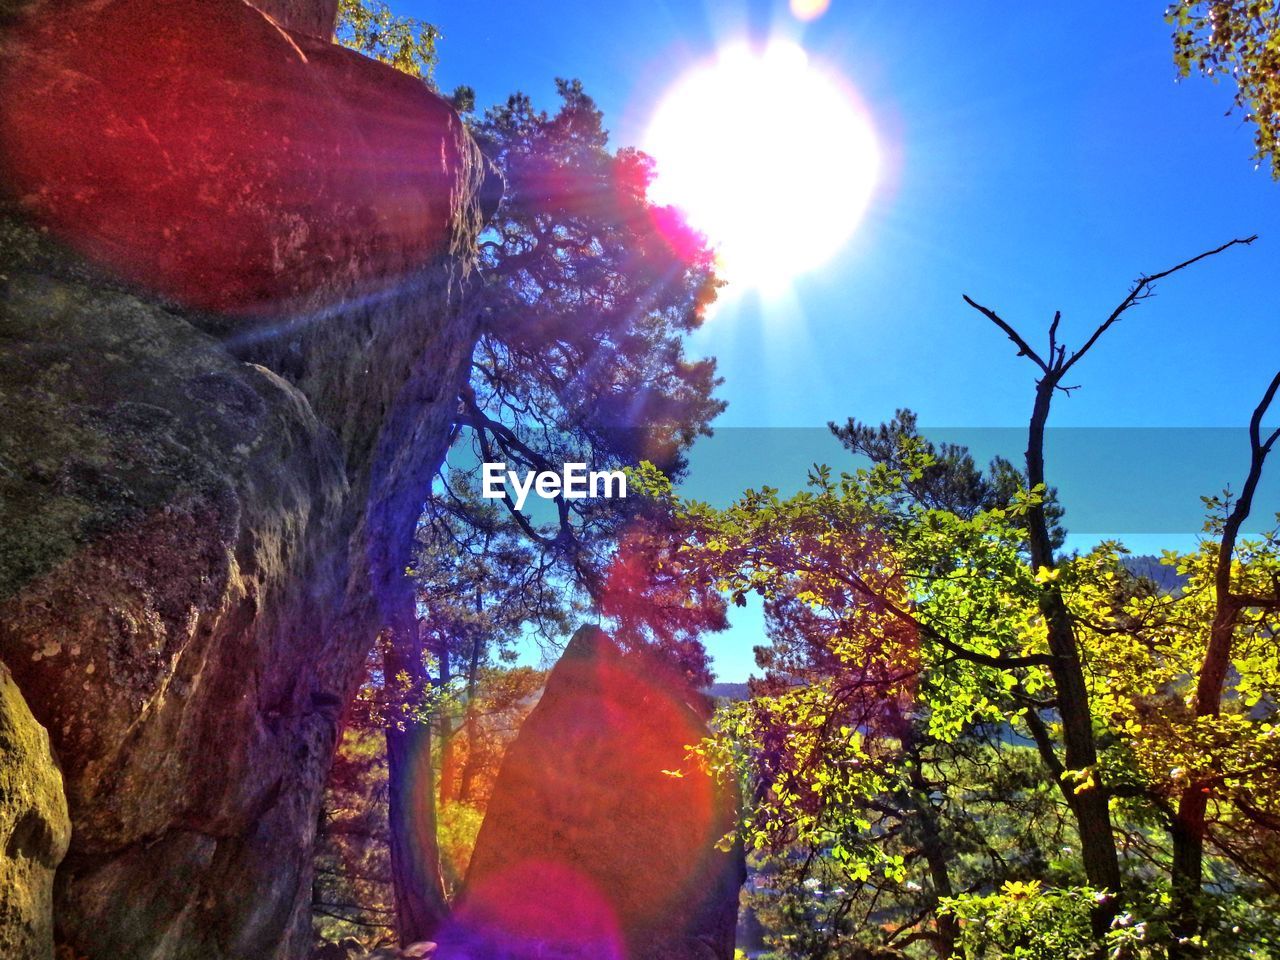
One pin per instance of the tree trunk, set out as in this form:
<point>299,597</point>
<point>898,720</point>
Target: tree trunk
<point>467,781</point>
<point>1189,824</point>
<point>448,758</point>
<point>937,849</point>
<point>469,724</point>
<point>937,855</point>
<point>415,854</point>
<point>1089,806</point>
<point>448,762</point>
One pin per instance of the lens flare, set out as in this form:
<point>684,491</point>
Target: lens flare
<point>536,908</point>
<point>768,155</point>
<point>809,10</point>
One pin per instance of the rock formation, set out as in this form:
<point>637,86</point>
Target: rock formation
<point>199,151</point>
<point>313,17</point>
<point>230,341</point>
<point>600,840</point>
<point>34,828</point>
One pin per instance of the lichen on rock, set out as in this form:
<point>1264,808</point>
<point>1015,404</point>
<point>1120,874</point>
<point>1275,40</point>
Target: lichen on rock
<point>34,828</point>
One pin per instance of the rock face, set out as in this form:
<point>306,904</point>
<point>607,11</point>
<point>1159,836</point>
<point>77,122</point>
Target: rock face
<point>200,151</point>
<point>205,516</point>
<point>600,840</point>
<point>313,17</point>
<point>34,829</point>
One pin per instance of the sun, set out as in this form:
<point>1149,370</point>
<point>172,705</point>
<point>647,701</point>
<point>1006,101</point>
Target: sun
<point>769,156</point>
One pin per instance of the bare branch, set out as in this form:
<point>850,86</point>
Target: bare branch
<point>1258,450</point>
<point>1054,350</point>
<point>1140,291</point>
<point>521,520</point>
<point>957,650</point>
<point>1024,348</point>
<point>1217,657</point>
<point>1044,745</point>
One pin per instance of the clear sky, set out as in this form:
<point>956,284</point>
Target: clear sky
<point>1038,157</point>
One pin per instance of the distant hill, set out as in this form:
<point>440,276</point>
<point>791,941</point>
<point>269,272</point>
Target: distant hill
<point>729,691</point>
<point>1166,578</point>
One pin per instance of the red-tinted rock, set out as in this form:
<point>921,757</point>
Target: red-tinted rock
<point>314,17</point>
<point>204,153</point>
<point>196,551</point>
<point>600,840</point>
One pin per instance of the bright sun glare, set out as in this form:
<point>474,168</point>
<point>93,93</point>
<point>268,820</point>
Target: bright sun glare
<point>769,156</point>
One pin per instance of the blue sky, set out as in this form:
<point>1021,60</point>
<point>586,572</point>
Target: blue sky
<point>1041,156</point>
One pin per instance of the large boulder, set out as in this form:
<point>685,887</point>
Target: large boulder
<point>34,828</point>
<point>602,840</point>
<point>314,17</point>
<point>227,369</point>
<point>202,152</point>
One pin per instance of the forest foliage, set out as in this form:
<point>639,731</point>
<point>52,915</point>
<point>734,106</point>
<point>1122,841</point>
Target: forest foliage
<point>908,750</point>
<point>1238,40</point>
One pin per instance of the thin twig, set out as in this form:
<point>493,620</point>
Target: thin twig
<point>1140,291</point>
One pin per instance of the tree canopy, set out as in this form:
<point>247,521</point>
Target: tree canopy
<point>968,740</point>
<point>406,43</point>
<point>1238,40</point>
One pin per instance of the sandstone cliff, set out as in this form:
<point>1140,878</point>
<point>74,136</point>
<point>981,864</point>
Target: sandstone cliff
<point>230,340</point>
